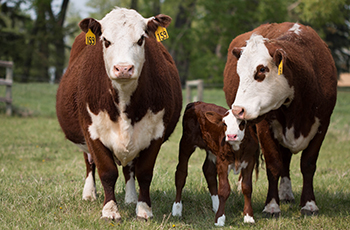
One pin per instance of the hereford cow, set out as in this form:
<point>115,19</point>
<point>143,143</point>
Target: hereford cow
<point>119,100</point>
<point>283,75</point>
<point>228,145</point>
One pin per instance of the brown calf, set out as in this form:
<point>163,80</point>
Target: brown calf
<point>203,127</point>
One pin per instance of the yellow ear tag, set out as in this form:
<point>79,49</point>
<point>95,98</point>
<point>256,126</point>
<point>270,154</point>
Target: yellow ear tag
<point>161,34</point>
<point>90,38</point>
<point>280,68</point>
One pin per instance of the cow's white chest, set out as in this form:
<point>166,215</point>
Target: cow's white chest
<point>124,139</point>
<point>288,139</point>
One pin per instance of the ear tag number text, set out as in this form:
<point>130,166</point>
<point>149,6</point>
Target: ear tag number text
<point>90,38</point>
<point>161,34</point>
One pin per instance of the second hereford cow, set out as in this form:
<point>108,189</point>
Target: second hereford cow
<point>283,77</point>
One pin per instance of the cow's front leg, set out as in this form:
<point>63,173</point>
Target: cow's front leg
<point>285,192</point>
<point>144,173</point>
<point>224,190</point>
<point>89,192</point>
<point>308,167</point>
<point>130,191</point>
<point>108,173</point>
<point>273,161</point>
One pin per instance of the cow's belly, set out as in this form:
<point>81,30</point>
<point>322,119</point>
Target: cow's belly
<point>122,138</point>
<point>287,138</point>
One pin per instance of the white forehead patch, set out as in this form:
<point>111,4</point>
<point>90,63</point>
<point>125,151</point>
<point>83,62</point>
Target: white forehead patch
<point>233,134</point>
<point>296,29</point>
<point>120,21</point>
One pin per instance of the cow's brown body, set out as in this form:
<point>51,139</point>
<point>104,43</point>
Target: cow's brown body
<point>86,83</point>
<point>198,131</point>
<point>309,68</point>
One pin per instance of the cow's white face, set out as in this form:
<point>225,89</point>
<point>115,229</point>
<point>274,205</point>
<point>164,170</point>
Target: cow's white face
<point>123,35</point>
<point>235,128</point>
<point>260,89</point>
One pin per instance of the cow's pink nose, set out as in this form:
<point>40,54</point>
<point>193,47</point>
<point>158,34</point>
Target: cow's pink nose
<point>231,137</point>
<point>239,112</point>
<point>123,71</point>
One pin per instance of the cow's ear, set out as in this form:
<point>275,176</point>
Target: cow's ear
<point>90,23</point>
<point>278,56</point>
<point>214,117</point>
<point>237,51</point>
<point>159,20</point>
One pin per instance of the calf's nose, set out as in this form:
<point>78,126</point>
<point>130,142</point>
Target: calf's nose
<point>123,71</point>
<point>231,137</point>
<point>238,112</point>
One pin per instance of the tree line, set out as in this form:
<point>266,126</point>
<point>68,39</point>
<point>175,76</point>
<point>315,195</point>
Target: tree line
<point>200,33</point>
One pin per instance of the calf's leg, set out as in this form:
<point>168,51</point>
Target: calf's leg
<point>129,176</point>
<point>210,174</point>
<point>89,192</point>
<point>224,190</point>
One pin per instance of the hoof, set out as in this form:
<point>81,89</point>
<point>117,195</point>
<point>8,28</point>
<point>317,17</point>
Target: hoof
<point>306,212</point>
<point>269,215</point>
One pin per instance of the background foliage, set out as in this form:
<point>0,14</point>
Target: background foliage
<point>37,34</point>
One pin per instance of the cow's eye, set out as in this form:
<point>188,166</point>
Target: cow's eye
<point>140,41</point>
<point>106,42</point>
<point>262,70</point>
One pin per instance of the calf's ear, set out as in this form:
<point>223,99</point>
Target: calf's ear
<point>159,20</point>
<point>214,117</point>
<point>90,23</point>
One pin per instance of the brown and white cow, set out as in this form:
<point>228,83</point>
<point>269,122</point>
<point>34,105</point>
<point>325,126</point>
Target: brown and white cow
<point>284,76</point>
<point>228,145</point>
<point>119,100</point>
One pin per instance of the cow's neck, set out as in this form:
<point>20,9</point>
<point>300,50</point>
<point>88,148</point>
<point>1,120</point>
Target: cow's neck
<point>124,92</point>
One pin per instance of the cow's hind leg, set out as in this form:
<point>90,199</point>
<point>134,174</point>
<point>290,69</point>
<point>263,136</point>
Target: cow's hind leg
<point>89,192</point>
<point>144,173</point>
<point>130,191</point>
<point>210,174</point>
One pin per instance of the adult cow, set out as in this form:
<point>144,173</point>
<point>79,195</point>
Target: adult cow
<point>119,100</point>
<point>284,76</point>
<point>228,145</point>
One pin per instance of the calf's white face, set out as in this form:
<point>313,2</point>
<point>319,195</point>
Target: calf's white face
<point>235,128</point>
<point>123,35</point>
<point>260,89</point>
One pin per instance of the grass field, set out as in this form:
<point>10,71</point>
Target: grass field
<point>42,177</point>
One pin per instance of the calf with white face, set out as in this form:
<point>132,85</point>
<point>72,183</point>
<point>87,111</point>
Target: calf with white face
<point>228,145</point>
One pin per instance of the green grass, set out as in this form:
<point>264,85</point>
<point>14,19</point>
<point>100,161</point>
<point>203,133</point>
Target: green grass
<point>42,177</point>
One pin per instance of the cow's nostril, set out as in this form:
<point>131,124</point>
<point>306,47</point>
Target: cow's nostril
<point>241,113</point>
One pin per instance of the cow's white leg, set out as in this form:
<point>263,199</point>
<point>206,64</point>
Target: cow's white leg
<point>177,209</point>
<point>310,208</point>
<point>143,210</point>
<point>89,192</point>
<point>272,208</point>
<point>221,221</point>
<point>249,219</point>
<point>110,211</point>
<point>130,191</point>
<point>215,202</point>
<point>285,192</point>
